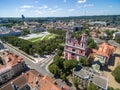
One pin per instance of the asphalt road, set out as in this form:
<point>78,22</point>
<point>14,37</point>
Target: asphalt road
<point>40,67</point>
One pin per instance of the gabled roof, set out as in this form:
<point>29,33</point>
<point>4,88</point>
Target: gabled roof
<point>34,81</point>
<point>105,50</point>
<point>99,80</point>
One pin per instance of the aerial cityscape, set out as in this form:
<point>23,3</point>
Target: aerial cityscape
<point>59,45</point>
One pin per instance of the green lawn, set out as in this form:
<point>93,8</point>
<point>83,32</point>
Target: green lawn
<point>35,39</point>
<point>46,37</point>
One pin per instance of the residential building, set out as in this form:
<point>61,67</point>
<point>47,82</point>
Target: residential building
<point>75,47</point>
<point>98,23</point>
<point>32,80</point>
<point>103,53</point>
<point>11,66</point>
<point>36,29</point>
<point>88,76</point>
<point>116,35</point>
<point>77,28</point>
<point>7,31</point>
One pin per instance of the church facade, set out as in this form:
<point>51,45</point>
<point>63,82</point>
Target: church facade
<point>75,47</point>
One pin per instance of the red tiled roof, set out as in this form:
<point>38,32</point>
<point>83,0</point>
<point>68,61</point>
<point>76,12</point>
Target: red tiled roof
<point>104,50</point>
<point>33,79</point>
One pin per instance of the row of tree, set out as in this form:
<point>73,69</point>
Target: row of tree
<point>17,42</point>
<point>40,47</point>
<point>116,74</point>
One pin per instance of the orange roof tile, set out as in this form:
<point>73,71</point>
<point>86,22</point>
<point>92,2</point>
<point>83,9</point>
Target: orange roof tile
<point>48,84</point>
<point>10,60</point>
<point>33,79</point>
<point>105,50</point>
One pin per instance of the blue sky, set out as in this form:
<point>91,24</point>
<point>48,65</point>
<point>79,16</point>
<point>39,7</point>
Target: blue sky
<point>58,8</point>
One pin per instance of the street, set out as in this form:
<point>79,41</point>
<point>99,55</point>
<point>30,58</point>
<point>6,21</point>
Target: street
<point>40,67</point>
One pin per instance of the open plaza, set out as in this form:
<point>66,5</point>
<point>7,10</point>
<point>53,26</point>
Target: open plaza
<point>34,37</point>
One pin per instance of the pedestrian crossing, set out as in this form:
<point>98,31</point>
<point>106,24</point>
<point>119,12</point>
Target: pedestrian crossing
<point>45,61</point>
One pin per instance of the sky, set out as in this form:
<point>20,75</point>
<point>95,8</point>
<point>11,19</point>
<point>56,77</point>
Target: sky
<point>58,8</point>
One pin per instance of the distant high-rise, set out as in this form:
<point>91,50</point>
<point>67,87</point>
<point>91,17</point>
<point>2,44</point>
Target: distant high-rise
<point>23,17</point>
<point>24,21</point>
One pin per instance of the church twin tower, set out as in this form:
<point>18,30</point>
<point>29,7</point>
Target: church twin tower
<point>75,47</point>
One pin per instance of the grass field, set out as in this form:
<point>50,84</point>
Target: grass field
<point>45,37</point>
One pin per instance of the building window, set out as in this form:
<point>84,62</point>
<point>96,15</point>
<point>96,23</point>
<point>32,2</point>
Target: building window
<point>73,44</point>
<point>81,51</point>
<point>73,50</point>
<point>73,54</point>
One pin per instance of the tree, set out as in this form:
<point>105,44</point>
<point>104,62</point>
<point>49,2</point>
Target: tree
<point>39,50</point>
<point>83,61</point>
<point>92,87</point>
<point>30,51</point>
<point>69,65</point>
<point>63,77</point>
<point>116,74</point>
<point>109,33</point>
<point>58,61</point>
<point>55,70</point>
<point>91,43</point>
<point>25,32</point>
<point>117,40</point>
<point>111,88</point>
<point>75,82</point>
<point>48,49</point>
<point>59,52</point>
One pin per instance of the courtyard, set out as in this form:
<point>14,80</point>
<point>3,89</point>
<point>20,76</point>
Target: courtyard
<point>112,65</point>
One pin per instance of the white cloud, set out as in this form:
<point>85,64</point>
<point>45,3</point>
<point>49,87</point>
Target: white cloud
<point>43,7</point>
<point>110,6</point>
<point>55,7</point>
<point>38,12</point>
<point>53,11</point>
<point>26,6</point>
<point>88,5</point>
<point>70,10</point>
<point>81,1</point>
<point>59,9</point>
<point>22,10</point>
<point>36,1</point>
<point>65,1</point>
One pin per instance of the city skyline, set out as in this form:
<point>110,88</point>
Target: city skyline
<point>58,8</point>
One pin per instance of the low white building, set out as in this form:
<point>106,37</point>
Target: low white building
<point>116,35</point>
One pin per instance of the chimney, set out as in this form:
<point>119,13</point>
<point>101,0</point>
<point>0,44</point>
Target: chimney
<point>37,86</point>
<point>14,87</point>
